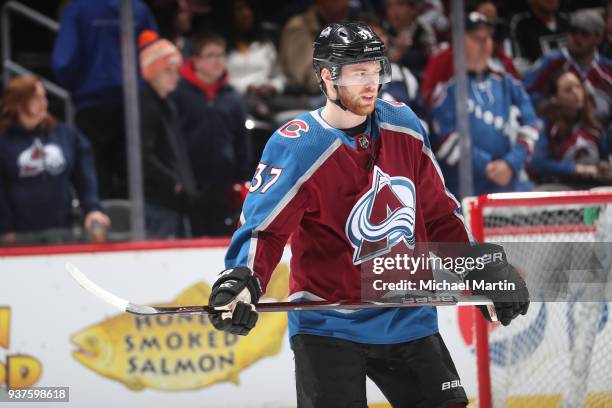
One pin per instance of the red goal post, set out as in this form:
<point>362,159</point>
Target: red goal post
<point>480,216</point>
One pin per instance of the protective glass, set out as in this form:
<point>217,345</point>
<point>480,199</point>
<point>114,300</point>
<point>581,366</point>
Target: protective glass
<point>375,72</point>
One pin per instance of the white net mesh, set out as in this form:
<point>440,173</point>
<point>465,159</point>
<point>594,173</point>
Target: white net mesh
<point>560,353</point>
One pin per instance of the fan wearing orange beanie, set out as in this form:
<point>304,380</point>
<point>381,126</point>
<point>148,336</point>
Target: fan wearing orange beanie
<point>168,180</point>
<point>160,61</point>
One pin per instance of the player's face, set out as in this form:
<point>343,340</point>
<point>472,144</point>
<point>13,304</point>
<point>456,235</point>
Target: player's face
<point>360,98</point>
<point>570,92</point>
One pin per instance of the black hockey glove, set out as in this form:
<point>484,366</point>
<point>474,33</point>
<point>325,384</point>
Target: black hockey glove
<point>508,303</point>
<point>233,295</point>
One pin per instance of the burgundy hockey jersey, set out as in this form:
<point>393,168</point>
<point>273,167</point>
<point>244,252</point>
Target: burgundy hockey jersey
<point>344,200</point>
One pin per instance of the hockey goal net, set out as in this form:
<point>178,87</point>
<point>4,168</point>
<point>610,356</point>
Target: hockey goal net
<point>560,353</point>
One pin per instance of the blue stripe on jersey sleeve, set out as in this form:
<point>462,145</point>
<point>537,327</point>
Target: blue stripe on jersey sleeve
<point>295,158</point>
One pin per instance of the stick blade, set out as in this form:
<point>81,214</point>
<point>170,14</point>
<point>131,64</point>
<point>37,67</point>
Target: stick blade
<point>94,289</point>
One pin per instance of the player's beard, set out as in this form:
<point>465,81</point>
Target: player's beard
<point>355,103</point>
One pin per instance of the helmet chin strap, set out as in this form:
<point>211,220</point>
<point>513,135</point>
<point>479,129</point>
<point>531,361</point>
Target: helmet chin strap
<point>337,101</point>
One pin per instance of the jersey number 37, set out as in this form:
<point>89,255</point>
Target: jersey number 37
<point>265,180</point>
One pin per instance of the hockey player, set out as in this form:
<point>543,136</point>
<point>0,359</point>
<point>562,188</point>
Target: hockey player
<point>318,176</point>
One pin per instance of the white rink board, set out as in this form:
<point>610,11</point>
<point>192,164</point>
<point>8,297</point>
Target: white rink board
<point>47,308</point>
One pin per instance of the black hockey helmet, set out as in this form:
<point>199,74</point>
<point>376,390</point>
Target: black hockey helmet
<point>346,43</point>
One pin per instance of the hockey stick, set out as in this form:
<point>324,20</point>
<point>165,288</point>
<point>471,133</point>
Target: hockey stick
<point>397,301</point>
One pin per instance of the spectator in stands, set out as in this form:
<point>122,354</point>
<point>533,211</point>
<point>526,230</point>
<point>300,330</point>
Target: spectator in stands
<point>411,43</point>
<point>87,62</point>
<point>403,86</point>
<point>432,14</point>
<point>606,45</point>
<point>498,162</point>
<point>569,150</point>
<point>169,184</point>
<point>212,120</point>
<point>41,161</point>
<point>485,7</point>
<point>252,61</point>
<point>296,43</point>
<point>500,61</point>
<point>582,58</point>
<point>440,67</point>
<point>174,21</point>
<point>537,31</point>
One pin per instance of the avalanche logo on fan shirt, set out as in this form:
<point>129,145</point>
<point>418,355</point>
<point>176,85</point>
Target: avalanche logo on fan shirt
<point>39,158</point>
<point>293,128</point>
<point>382,217</point>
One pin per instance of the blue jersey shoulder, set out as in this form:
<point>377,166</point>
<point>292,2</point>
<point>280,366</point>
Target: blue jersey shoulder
<point>398,114</point>
<point>300,142</point>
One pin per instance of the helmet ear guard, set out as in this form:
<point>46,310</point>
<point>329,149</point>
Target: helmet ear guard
<point>337,101</point>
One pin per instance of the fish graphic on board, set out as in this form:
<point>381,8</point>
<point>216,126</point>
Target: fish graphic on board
<point>180,352</point>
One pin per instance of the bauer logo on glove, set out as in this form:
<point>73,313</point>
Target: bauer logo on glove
<point>508,303</point>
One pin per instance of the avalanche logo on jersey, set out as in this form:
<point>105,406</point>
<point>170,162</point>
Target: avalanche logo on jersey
<point>382,217</point>
<point>293,129</point>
